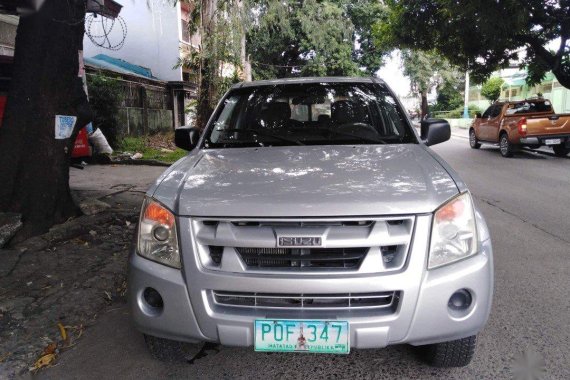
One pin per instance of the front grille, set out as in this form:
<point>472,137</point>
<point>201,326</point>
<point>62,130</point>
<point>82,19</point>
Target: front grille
<point>331,258</point>
<point>379,300</point>
<point>350,245</point>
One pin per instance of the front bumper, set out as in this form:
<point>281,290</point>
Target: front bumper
<point>422,315</point>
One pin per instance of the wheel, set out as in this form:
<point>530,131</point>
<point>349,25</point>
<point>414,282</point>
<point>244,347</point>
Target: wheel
<point>560,150</point>
<point>171,351</point>
<point>505,145</point>
<point>456,353</point>
<point>473,141</point>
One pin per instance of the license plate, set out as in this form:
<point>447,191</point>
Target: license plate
<point>553,141</point>
<point>281,335</point>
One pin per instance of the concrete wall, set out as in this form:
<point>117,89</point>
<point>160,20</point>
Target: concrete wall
<point>131,121</point>
<point>8,26</point>
<point>152,41</point>
<point>460,123</point>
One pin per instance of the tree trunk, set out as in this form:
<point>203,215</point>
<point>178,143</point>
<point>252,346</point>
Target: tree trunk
<point>562,74</point>
<point>204,108</point>
<point>208,66</point>
<point>34,165</point>
<point>244,59</point>
<point>424,105</point>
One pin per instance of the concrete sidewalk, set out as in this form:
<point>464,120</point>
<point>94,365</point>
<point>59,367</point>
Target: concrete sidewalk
<point>460,132</point>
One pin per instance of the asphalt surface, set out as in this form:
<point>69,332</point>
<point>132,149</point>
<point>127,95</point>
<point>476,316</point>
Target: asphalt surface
<point>526,201</point>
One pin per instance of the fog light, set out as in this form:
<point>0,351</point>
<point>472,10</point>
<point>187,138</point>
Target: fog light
<point>153,298</point>
<point>460,300</point>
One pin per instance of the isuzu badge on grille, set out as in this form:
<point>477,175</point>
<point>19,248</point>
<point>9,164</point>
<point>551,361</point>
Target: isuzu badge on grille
<point>299,241</point>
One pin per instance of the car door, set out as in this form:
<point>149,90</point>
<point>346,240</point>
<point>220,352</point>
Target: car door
<point>490,122</point>
<point>494,123</point>
<point>482,131</point>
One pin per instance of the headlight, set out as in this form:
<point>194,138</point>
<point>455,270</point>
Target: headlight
<point>157,238</point>
<point>453,233</point>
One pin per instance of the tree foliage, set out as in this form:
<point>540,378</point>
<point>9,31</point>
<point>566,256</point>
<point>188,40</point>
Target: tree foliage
<point>484,35</point>
<point>105,98</point>
<point>283,39</point>
<point>314,38</point>
<point>220,24</point>
<point>491,89</point>
<point>427,71</point>
<point>449,96</point>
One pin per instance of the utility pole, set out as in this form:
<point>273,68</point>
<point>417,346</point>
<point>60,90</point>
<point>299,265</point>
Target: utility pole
<point>466,104</point>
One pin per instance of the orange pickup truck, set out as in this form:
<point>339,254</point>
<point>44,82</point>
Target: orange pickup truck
<point>514,124</point>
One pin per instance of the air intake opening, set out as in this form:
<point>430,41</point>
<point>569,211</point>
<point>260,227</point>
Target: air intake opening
<point>216,253</point>
<point>299,258</point>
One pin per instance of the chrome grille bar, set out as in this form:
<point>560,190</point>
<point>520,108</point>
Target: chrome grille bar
<point>345,301</point>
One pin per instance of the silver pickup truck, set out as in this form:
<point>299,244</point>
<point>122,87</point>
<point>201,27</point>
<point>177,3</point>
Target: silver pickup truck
<point>310,217</point>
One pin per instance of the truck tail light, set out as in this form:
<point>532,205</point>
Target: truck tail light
<point>521,126</point>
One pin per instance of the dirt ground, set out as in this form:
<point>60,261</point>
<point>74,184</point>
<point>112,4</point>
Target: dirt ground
<point>55,286</point>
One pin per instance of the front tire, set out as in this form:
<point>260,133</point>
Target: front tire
<point>560,150</point>
<point>473,141</point>
<point>455,353</point>
<point>506,146</point>
<point>170,351</point>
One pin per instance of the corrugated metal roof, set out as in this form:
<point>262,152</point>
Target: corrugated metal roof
<point>105,62</point>
<point>519,79</point>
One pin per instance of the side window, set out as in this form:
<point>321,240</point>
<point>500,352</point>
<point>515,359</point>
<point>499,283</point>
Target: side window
<point>487,112</point>
<point>496,111</point>
<point>300,112</point>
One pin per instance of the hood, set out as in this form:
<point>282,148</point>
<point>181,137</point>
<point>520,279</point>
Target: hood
<point>306,181</point>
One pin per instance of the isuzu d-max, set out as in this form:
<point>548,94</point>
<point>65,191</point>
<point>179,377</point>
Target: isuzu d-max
<point>309,216</point>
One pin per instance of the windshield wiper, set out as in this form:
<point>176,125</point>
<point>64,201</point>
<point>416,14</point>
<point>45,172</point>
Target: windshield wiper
<point>361,138</point>
<point>263,133</point>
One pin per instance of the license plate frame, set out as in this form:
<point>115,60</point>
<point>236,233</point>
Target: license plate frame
<point>553,141</point>
<point>314,334</point>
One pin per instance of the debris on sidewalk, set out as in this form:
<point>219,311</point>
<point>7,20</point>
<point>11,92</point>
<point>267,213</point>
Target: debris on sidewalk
<point>137,156</point>
<point>92,206</point>
<point>10,223</point>
<point>100,142</point>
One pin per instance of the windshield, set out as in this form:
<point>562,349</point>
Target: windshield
<point>309,114</point>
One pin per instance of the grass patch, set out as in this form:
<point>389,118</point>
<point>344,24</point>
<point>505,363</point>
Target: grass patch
<point>145,146</point>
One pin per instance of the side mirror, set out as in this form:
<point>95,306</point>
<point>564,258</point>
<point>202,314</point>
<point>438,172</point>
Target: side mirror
<point>186,137</point>
<point>478,115</point>
<point>435,131</point>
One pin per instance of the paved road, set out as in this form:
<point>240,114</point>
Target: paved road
<point>526,201</point>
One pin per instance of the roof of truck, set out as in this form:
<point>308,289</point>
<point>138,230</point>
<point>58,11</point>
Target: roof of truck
<point>273,82</point>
